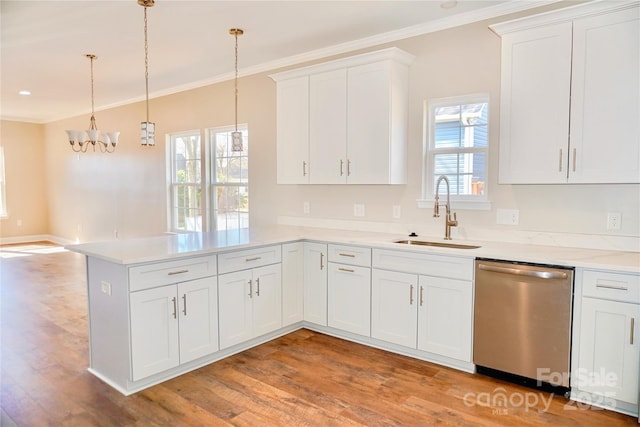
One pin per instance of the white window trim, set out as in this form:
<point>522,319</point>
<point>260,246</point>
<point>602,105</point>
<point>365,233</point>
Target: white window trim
<point>457,202</point>
<point>3,190</point>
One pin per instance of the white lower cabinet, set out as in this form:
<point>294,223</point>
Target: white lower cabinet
<point>251,304</point>
<point>349,298</point>
<point>608,342</point>
<point>432,314</point>
<point>315,283</point>
<point>292,283</point>
<point>173,324</point>
<point>445,315</point>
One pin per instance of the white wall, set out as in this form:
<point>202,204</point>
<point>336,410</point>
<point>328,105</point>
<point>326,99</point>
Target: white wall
<point>92,195</point>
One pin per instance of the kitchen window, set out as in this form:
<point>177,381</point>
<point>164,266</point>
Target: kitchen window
<point>210,194</point>
<point>3,198</point>
<point>185,192</point>
<point>229,189</point>
<point>457,146</point>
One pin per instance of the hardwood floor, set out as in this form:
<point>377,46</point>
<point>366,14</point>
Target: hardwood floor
<point>302,379</point>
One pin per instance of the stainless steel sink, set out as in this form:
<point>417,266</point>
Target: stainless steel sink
<point>438,244</point>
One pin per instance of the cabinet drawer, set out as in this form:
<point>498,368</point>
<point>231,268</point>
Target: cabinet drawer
<point>164,273</point>
<point>352,255</point>
<point>427,264</point>
<point>249,258</point>
<point>611,286</point>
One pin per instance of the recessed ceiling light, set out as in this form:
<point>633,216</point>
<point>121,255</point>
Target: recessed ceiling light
<point>25,92</point>
<point>449,4</point>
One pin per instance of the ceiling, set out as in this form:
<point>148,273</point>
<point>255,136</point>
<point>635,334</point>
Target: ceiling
<point>43,43</point>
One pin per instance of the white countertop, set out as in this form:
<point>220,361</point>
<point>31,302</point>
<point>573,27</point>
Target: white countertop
<point>173,246</point>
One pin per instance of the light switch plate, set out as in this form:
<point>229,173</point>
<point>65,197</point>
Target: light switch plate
<point>508,216</point>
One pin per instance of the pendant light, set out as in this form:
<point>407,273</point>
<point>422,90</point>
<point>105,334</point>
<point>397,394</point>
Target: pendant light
<point>236,137</point>
<point>147,128</point>
<point>106,141</point>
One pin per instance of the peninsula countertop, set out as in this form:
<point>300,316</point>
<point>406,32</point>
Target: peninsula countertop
<point>175,246</point>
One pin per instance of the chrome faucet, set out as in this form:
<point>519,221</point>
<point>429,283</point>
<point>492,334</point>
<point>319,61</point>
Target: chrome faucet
<point>436,209</point>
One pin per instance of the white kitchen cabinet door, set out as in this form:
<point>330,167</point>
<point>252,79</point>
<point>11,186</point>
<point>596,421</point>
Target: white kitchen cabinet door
<point>609,349</point>
<point>267,299</point>
<point>328,127</point>
<point>235,318</point>
<point>251,304</point>
<point>293,131</point>
<point>315,283</point>
<point>198,318</point>
<point>154,331</point>
<point>534,105</point>
<point>394,307</point>
<point>292,283</point>
<point>445,313</point>
<point>376,131</point>
<point>349,298</point>
<point>605,99</point>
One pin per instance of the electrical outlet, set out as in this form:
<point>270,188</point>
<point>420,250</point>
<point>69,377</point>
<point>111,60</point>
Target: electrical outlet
<point>358,209</point>
<point>306,208</point>
<point>614,220</point>
<point>508,216</point>
<point>105,287</point>
<point>396,211</point>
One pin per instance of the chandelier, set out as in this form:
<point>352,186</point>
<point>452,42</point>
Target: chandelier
<point>147,128</point>
<point>236,137</point>
<point>106,141</point>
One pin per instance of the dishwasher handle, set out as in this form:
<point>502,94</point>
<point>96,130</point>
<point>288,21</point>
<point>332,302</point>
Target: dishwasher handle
<point>520,272</point>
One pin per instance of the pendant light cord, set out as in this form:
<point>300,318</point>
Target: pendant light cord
<point>236,82</point>
<point>92,124</point>
<point>146,61</point>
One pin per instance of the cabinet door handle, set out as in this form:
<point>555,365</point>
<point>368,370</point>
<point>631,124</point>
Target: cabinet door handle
<point>348,270</point>
<point>175,307</point>
<point>410,294</point>
<point>304,168</point>
<point>349,255</point>
<point>171,273</point>
<point>631,333</point>
<point>250,289</point>
<point>255,258</point>
<point>574,159</point>
<point>321,260</point>
<point>341,167</point>
<point>184,304</point>
<point>560,162</point>
<point>348,167</point>
<point>617,288</point>
<point>258,287</point>
<point>421,295</point>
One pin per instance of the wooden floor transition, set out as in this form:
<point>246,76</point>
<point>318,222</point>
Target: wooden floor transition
<point>302,379</point>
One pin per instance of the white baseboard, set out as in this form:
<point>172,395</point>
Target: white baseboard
<point>35,238</point>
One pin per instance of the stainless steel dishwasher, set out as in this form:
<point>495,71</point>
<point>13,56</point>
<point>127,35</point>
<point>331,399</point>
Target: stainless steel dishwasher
<point>522,322</point>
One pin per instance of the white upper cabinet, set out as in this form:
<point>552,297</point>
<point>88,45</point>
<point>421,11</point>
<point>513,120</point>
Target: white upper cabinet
<point>350,126</point>
<point>570,94</point>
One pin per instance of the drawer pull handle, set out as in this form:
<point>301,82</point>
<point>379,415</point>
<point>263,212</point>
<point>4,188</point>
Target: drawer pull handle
<point>171,273</point>
<point>421,295</point>
<point>349,255</point>
<point>560,162</point>
<point>631,334</point>
<point>253,259</point>
<point>410,294</point>
<point>348,270</point>
<point>184,304</point>
<point>250,289</point>
<point>574,159</point>
<point>341,167</point>
<point>175,308</point>
<point>304,168</point>
<point>321,260</point>
<point>617,288</point>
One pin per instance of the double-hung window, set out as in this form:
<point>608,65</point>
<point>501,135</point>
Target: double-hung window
<point>209,182</point>
<point>229,190</point>
<point>457,146</point>
<point>185,205</point>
